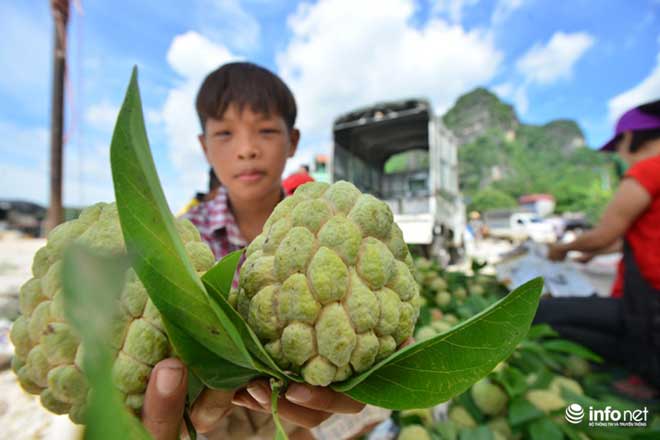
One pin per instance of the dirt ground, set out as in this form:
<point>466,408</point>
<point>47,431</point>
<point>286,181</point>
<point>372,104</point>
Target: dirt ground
<point>21,414</point>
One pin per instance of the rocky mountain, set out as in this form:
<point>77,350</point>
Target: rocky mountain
<point>502,158</point>
<point>477,112</point>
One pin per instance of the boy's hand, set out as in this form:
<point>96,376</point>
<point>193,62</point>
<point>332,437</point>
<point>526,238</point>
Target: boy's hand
<point>302,405</point>
<point>165,400</point>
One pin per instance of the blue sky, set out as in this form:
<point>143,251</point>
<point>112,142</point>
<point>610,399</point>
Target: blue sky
<point>585,60</point>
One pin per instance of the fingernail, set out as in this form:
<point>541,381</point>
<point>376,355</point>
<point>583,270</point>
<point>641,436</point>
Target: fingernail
<point>298,394</point>
<point>168,380</point>
<point>258,394</point>
<point>239,401</point>
<point>209,416</point>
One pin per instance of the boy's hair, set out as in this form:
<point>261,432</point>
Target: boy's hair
<point>244,84</point>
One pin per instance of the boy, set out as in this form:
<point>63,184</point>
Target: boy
<point>248,119</point>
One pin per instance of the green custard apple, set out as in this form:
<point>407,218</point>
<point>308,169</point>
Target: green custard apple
<point>327,286</point>
<point>48,352</point>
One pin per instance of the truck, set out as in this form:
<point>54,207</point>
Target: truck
<point>402,153</point>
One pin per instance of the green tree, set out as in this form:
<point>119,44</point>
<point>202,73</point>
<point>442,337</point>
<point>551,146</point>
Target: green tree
<point>491,198</point>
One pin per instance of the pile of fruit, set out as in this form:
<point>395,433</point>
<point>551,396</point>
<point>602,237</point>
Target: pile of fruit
<point>525,396</point>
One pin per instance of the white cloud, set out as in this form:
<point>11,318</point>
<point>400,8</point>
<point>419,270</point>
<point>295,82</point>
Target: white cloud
<point>647,90</point>
<point>545,64</point>
<point>192,56</point>
<point>227,21</point>
<point>504,8</point>
<point>503,90</point>
<point>520,99</point>
<point>102,116</point>
<point>452,8</point>
<point>345,54</point>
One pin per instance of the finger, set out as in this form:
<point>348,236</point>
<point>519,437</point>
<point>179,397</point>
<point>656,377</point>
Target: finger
<point>209,409</point>
<point>299,415</point>
<point>164,399</point>
<point>407,342</point>
<point>323,399</point>
<point>244,399</point>
<point>296,414</point>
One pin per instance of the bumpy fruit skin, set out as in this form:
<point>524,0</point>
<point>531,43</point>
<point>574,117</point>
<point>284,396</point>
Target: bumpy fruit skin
<point>414,432</point>
<point>48,353</point>
<point>327,285</point>
<point>560,382</point>
<point>443,299</point>
<point>488,397</point>
<point>577,367</point>
<point>546,400</point>
<point>461,417</point>
<point>424,333</point>
<point>501,426</point>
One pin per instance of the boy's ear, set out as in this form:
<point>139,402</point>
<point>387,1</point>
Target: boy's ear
<point>295,138</point>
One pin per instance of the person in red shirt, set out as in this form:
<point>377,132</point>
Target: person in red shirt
<point>625,328</point>
<point>296,179</point>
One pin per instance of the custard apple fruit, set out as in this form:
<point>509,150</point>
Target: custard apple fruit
<point>48,353</point>
<point>546,400</point>
<point>488,397</point>
<point>461,417</point>
<point>414,432</point>
<point>327,286</point>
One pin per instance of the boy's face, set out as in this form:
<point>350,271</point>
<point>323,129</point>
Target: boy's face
<point>248,151</point>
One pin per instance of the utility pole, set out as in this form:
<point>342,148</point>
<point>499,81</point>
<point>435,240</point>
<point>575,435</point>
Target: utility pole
<point>60,10</point>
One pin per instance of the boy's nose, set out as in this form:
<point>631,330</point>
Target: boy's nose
<point>247,153</point>
<point>248,150</point>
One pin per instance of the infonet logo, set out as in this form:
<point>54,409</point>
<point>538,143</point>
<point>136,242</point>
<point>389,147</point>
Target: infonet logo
<point>608,416</point>
<point>574,413</point>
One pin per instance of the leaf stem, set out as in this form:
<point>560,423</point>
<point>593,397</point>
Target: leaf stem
<point>277,386</point>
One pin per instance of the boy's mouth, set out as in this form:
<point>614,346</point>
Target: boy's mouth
<point>251,175</point>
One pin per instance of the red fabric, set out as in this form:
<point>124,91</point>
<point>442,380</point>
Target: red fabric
<point>294,181</point>
<point>644,234</point>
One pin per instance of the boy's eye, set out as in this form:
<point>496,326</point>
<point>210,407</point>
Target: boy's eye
<point>222,133</point>
<point>269,130</point>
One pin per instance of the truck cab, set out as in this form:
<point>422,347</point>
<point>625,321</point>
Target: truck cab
<point>403,154</point>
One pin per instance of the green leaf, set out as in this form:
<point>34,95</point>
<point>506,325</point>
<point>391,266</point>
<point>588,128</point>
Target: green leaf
<point>478,433</point>
<point>564,346</point>
<point>433,371</point>
<point>218,284</point>
<point>91,287</point>
<point>541,331</point>
<point>445,430</point>
<point>540,353</point>
<point>521,411</point>
<point>250,339</point>
<point>570,432</point>
<point>513,381</point>
<point>545,429</point>
<point>214,371</point>
<point>221,275</point>
<point>151,238</point>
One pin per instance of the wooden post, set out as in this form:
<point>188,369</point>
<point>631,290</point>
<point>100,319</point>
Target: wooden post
<point>60,10</point>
